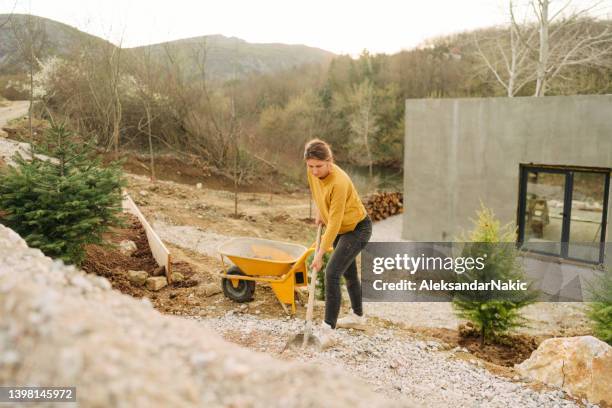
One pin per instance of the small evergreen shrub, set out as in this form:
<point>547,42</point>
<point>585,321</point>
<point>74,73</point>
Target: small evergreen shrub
<point>492,313</point>
<point>600,310</point>
<point>62,204</point>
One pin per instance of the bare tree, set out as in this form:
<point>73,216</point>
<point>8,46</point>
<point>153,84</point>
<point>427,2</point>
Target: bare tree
<point>507,56</point>
<point>113,62</point>
<point>31,37</point>
<point>362,118</point>
<point>10,15</point>
<point>209,116</point>
<point>101,72</point>
<point>560,38</point>
<point>146,95</point>
<point>567,37</point>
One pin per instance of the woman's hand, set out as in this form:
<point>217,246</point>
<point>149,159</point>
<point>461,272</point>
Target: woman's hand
<point>317,262</point>
<point>318,218</point>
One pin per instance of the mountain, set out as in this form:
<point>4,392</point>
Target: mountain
<point>225,56</point>
<point>51,38</point>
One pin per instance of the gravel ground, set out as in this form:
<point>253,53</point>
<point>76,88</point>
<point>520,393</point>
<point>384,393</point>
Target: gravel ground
<point>543,318</point>
<point>394,365</point>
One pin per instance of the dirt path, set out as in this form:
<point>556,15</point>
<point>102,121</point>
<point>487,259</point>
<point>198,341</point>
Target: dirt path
<point>14,110</point>
<point>8,147</point>
<point>388,230</point>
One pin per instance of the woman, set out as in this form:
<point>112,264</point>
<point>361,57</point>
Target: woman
<point>348,229</point>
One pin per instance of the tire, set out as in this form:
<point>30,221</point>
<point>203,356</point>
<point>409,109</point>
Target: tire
<point>243,292</point>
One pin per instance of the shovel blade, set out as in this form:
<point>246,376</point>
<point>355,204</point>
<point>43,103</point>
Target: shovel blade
<point>297,342</point>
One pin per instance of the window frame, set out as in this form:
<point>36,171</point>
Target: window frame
<point>568,171</point>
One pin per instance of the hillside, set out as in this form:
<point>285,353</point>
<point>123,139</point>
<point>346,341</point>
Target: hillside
<point>224,55</point>
<point>52,38</point>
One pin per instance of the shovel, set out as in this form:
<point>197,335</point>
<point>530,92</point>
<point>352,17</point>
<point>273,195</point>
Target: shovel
<point>307,338</point>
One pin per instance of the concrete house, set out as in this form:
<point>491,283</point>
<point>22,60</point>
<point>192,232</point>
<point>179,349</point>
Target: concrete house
<point>542,164</point>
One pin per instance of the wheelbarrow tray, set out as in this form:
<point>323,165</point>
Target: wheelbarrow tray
<point>262,257</point>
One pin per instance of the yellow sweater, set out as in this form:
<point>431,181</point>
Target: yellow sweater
<point>338,202</point>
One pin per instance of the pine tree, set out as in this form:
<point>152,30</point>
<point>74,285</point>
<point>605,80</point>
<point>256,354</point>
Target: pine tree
<point>61,204</point>
<point>493,312</point>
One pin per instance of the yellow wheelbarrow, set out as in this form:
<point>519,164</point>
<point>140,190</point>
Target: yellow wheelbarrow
<point>280,264</point>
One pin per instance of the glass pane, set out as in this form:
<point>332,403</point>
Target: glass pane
<point>587,216</point>
<point>544,211</point>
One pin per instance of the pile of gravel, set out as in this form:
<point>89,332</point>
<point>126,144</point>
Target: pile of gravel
<point>395,366</point>
<point>62,327</point>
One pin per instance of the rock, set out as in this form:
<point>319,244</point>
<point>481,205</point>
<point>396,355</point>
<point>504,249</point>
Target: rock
<point>233,368</point>
<point>581,366</point>
<point>177,277</point>
<point>143,193</point>
<point>467,329</point>
<point>199,186</point>
<point>211,289</point>
<point>127,247</point>
<point>9,357</point>
<point>103,283</point>
<point>159,271</point>
<point>156,283</point>
<point>137,278</point>
<point>200,360</point>
<point>81,282</point>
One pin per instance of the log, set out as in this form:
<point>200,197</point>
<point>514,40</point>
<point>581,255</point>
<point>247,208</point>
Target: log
<point>382,205</point>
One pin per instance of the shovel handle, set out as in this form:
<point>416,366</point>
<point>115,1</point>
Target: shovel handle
<point>311,288</point>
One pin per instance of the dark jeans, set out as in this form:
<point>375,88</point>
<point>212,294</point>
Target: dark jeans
<point>342,263</point>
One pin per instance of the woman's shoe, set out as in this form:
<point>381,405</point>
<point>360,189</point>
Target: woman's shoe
<point>327,336</point>
<point>353,321</point>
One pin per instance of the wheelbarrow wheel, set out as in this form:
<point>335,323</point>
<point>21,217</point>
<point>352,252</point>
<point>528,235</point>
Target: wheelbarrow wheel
<point>241,293</point>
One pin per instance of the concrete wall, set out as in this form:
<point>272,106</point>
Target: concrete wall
<point>461,151</point>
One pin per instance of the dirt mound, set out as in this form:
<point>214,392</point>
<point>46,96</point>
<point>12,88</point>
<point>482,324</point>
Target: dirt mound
<point>186,298</point>
<point>108,261</point>
<point>19,129</point>
<point>511,350</point>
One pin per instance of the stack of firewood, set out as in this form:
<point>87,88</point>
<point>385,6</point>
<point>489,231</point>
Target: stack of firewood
<point>383,205</point>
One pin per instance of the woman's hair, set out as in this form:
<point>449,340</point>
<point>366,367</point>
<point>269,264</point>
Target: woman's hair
<point>319,150</point>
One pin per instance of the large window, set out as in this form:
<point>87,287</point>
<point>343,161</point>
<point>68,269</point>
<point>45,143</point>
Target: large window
<point>563,210</point>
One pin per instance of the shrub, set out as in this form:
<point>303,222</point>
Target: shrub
<point>600,310</point>
<point>62,204</point>
<point>493,313</point>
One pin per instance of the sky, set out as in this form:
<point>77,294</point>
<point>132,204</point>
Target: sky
<point>339,26</point>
